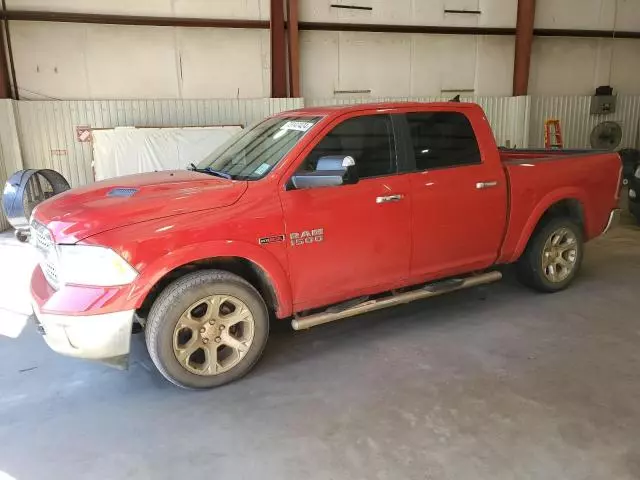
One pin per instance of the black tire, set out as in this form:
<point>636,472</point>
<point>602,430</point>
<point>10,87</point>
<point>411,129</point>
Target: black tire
<point>530,268</point>
<point>175,299</point>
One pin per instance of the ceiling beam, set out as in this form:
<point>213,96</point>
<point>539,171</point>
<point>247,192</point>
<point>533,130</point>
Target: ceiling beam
<point>105,19</point>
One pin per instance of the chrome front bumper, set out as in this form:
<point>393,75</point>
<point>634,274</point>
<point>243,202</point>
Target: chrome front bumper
<point>106,338</point>
<point>614,219</point>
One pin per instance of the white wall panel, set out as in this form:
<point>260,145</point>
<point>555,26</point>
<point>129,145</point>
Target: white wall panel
<point>370,61</point>
<point>131,62</point>
<point>442,62</point>
<point>50,60</point>
<point>588,14</point>
<point>496,13</point>
<point>210,66</point>
<point>404,64</point>
<point>243,9</point>
<point>246,9</point>
<point>47,128</point>
<point>494,67</point>
<point>319,52</point>
<point>78,61</point>
<point>129,7</point>
<point>628,16</point>
<point>625,68</point>
<point>578,14</point>
<point>565,66</point>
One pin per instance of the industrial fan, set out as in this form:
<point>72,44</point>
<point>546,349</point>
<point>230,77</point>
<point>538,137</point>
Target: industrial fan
<point>24,190</point>
<point>606,136</point>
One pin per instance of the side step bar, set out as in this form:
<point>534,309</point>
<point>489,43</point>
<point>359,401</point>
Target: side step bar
<point>303,323</point>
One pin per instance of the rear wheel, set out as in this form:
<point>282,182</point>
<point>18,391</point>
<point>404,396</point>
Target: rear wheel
<point>206,329</point>
<point>553,256</point>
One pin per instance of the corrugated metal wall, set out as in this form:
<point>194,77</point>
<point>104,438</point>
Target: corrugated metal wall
<point>48,128</point>
<point>576,122</point>
<point>10,156</point>
<point>508,116</point>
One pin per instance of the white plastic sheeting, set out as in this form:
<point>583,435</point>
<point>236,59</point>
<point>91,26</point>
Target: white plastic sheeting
<point>124,150</point>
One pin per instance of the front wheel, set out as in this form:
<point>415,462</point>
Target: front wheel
<point>206,329</point>
<point>553,256</point>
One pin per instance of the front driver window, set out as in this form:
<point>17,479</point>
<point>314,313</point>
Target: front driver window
<point>368,139</point>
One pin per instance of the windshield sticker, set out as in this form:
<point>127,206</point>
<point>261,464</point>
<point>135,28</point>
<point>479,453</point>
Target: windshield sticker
<point>299,126</point>
<point>262,169</point>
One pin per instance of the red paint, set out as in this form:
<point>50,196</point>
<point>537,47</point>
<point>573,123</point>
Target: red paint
<point>443,226</point>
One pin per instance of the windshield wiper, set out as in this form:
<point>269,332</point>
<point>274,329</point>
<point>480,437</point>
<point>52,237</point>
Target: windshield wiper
<point>210,171</point>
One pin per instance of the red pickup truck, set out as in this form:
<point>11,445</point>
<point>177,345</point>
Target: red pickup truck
<point>312,215</point>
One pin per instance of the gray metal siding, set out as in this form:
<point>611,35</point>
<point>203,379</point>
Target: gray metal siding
<point>576,122</point>
<point>10,155</point>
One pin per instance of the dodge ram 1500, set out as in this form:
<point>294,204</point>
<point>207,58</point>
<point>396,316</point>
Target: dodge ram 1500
<point>312,215</point>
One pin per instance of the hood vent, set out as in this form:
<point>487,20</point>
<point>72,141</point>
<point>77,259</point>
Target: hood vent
<point>122,192</point>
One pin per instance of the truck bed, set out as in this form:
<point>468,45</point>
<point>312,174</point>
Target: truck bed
<point>538,178</point>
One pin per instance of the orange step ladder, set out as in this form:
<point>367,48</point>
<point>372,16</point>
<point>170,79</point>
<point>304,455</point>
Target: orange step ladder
<point>553,134</point>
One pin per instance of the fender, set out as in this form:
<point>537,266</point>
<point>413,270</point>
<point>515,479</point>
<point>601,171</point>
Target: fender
<point>219,248</point>
<point>553,197</point>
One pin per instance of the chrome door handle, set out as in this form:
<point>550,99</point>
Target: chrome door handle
<point>483,185</point>
<point>390,198</point>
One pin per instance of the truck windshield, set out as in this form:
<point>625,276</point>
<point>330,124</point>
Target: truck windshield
<point>252,153</point>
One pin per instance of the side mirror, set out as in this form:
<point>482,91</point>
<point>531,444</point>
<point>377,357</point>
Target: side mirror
<point>330,171</point>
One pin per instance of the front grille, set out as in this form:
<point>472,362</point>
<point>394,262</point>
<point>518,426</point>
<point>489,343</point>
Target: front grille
<point>43,241</point>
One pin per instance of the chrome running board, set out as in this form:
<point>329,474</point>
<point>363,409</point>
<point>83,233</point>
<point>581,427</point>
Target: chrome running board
<point>429,290</point>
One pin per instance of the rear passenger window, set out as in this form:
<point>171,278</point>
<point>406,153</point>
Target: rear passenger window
<point>442,139</point>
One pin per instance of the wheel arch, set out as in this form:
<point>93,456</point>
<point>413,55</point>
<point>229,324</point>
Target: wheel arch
<point>571,204</point>
<point>254,264</point>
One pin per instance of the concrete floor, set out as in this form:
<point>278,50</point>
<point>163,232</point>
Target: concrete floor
<point>516,386</point>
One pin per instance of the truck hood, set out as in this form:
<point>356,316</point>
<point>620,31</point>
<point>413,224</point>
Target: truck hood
<point>82,212</point>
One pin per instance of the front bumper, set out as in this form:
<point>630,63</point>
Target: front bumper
<point>106,337</point>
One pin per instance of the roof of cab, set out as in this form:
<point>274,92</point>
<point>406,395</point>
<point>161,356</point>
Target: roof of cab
<point>382,106</point>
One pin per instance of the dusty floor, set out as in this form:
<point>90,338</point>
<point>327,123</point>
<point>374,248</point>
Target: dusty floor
<point>516,386</point>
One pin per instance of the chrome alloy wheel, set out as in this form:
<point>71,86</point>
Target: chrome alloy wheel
<point>559,255</point>
<point>213,335</point>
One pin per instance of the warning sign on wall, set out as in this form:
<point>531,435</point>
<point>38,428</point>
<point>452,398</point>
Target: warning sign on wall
<point>83,133</point>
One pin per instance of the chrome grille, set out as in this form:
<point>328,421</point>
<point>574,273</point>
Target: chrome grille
<point>43,241</point>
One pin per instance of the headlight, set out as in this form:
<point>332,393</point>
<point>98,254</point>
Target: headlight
<point>637,173</point>
<point>93,265</point>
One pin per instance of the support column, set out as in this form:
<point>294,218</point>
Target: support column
<point>278,50</point>
<point>524,41</point>
<point>5,84</point>
<point>294,48</point>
